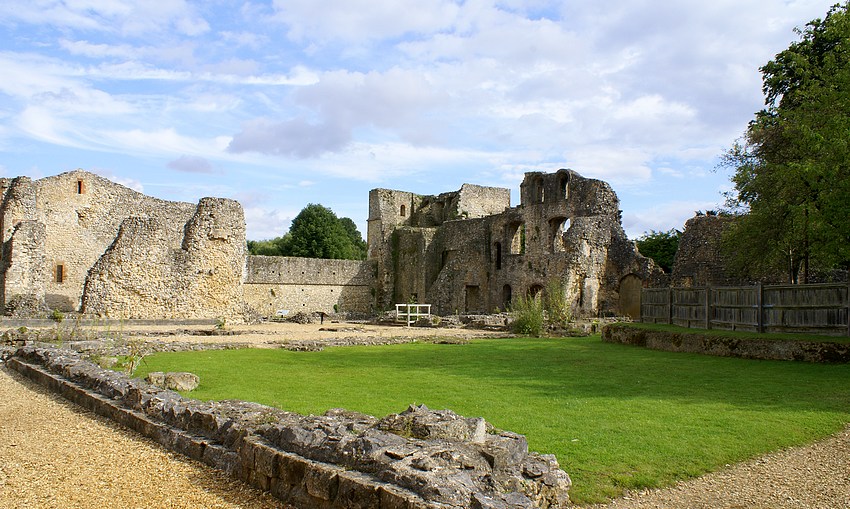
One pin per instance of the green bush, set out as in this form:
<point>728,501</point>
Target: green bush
<point>528,316</point>
<point>558,312</point>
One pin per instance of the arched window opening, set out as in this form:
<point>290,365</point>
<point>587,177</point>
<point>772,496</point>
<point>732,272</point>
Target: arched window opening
<point>402,211</point>
<point>564,187</point>
<point>516,235</point>
<point>557,227</point>
<point>498,249</point>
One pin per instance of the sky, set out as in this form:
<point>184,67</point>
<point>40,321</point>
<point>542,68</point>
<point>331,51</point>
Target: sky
<point>284,103</point>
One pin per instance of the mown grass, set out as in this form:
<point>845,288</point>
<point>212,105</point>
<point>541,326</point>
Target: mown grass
<point>663,327</point>
<point>616,416</point>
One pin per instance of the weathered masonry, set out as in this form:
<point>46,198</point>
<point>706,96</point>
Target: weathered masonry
<point>78,242</point>
<point>470,251</point>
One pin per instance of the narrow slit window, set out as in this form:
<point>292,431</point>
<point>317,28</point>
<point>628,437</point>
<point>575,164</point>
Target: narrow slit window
<point>402,211</point>
<point>81,187</point>
<point>60,273</point>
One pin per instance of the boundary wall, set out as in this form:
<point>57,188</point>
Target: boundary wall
<point>275,283</point>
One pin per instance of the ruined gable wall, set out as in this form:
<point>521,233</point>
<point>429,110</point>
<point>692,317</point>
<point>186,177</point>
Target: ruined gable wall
<point>479,201</point>
<point>159,268</point>
<point>308,284</point>
<point>699,260</point>
<point>81,213</point>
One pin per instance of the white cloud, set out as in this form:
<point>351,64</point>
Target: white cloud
<point>191,164</point>
<point>133,17</point>
<point>267,223</point>
<point>363,20</point>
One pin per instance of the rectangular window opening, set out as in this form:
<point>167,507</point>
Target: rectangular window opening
<point>60,273</point>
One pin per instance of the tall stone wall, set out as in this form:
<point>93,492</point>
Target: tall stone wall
<point>81,213</point>
<point>163,269</point>
<point>275,283</point>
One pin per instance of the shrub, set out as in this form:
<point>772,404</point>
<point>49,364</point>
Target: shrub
<point>528,316</point>
<point>556,306</point>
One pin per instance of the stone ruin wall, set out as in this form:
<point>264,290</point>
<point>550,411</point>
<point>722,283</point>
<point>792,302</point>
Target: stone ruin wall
<point>126,255</point>
<point>81,214</point>
<point>566,229</point>
<point>77,241</point>
<point>275,283</point>
<point>162,269</point>
<point>699,261</point>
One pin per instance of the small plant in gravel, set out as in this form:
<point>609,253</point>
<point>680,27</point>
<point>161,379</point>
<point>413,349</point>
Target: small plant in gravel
<point>137,351</point>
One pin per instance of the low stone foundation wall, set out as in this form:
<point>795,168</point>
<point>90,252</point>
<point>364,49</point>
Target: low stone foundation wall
<point>416,459</point>
<point>728,346</point>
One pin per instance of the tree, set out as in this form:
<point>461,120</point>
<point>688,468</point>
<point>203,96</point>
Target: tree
<point>316,232</point>
<point>354,234</point>
<point>660,246</point>
<point>792,168</point>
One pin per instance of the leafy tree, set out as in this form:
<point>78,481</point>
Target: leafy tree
<point>792,168</point>
<point>660,246</point>
<point>265,247</point>
<point>354,234</point>
<point>316,232</point>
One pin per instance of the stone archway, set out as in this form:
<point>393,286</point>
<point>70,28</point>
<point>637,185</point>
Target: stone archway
<point>630,287</point>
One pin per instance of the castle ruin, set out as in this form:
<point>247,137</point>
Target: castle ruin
<point>79,242</point>
<point>469,251</point>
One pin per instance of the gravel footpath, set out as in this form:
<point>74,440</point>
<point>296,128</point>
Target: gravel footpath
<point>54,454</point>
<point>815,476</point>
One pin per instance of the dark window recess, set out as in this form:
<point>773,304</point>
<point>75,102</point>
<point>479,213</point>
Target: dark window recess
<point>81,187</point>
<point>60,273</point>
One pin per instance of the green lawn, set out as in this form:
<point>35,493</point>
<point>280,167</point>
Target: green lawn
<point>616,416</point>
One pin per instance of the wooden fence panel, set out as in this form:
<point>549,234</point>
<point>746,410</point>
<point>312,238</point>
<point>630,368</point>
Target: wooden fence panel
<point>655,305</point>
<point>735,308</point>
<point>822,308</point>
<point>688,307</point>
<point>809,308</point>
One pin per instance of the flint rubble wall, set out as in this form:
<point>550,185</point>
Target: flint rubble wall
<point>339,460</point>
<point>274,283</point>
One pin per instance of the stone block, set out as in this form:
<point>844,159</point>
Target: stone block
<point>322,481</point>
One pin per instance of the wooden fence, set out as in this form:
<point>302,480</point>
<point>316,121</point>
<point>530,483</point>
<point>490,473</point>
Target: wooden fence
<point>819,309</point>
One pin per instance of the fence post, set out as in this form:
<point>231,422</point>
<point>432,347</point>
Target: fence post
<point>670,305</point>
<point>848,307</point>
<point>760,306</point>
<point>708,306</point>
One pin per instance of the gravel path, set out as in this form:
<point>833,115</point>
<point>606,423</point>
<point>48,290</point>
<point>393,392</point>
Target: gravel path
<point>816,476</point>
<point>53,454</point>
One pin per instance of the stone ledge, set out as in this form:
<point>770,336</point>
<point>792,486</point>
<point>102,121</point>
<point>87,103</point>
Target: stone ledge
<point>339,460</point>
<point>728,346</point>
